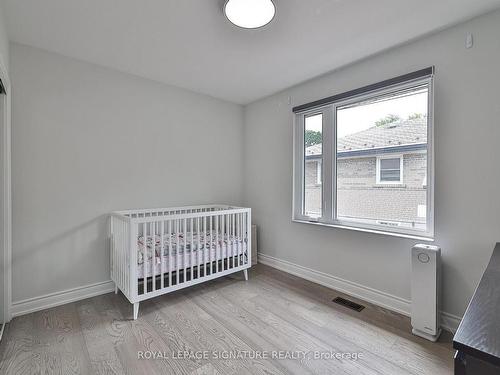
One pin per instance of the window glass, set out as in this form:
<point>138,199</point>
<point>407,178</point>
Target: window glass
<point>313,144</point>
<point>369,184</point>
<point>390,170</point>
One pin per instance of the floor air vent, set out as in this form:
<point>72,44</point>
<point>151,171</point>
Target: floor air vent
<point>349,304</point>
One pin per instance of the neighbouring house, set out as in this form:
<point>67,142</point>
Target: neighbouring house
<point>381,175</point>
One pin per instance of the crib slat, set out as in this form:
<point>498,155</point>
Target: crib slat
<point>225,239</point>
<point>122,252</point>
<point>131,268</point>
<point>145,258</point>
<point>162,230</point>
<point>113,259</point>
<point>152,230</point>
<point>123,270</point>
<point>233,228</point>
<point>111,248</point>
<point>247,227</point>
<point>170,253</point>
<point>228,245</point>
<point>205,246</point>
<point>229,250</point>
<point>238,238</point>
<point>198,222</point>
<point>243,238</point>
<point>217,243</point>
<point>177,222</point>
<point>247,234</point>
<point>211,238</point>
<point>224,245</point>
<point>243,220</point>
<point>228,239</point>
<point>119,250</point>
<point>191,246</point>
<point>242,235</point>
<point>184,251</point>
<point>119,258</point>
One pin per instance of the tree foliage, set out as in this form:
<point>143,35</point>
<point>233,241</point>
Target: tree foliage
<point>387,120</point>
<point>394,118</point>
<point>312,137</point>
<point>415,116</point>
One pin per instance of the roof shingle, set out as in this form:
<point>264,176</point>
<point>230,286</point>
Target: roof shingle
<point>400,133</point>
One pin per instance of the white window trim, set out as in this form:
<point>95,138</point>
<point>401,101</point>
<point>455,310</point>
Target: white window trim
<point>329,163</point>
<point>318,172</point>
<point>401,162</point>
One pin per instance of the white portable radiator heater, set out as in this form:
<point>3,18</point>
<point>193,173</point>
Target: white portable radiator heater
<point>425,291</point>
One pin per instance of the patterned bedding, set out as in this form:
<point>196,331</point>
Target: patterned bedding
<point>193,241</point>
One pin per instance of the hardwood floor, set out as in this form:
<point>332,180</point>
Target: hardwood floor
<point>272,312</point>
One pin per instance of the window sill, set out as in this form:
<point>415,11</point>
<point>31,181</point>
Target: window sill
<point>379,185</point>
<point>367,230</point>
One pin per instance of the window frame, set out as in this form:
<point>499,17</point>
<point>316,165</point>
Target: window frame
<point>379,180</point>
<point>319,174</point>
<point>329,163</point>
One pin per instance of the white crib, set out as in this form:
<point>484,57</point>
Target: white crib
<point>157,251</point>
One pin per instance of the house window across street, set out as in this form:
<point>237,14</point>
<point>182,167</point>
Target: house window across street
<point>390,170</point>
<point>363,159</point>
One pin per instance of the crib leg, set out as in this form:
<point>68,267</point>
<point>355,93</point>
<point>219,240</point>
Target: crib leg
<point>245,272</point>
<point>136,310</point>
<point>116,288</point>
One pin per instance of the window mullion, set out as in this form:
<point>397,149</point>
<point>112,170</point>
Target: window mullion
<point>328,164</point>
<point>334,163</point>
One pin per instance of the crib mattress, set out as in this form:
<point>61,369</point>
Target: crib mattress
<point>180,242</point>
<point>186,259</point>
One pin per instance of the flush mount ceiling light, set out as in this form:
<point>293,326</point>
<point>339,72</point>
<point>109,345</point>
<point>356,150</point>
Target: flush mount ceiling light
<point>249,14</point>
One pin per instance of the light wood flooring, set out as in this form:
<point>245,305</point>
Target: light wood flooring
<point>272,312</point>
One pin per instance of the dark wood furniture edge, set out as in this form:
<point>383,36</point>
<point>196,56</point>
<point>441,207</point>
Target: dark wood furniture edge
<point>468,349</point>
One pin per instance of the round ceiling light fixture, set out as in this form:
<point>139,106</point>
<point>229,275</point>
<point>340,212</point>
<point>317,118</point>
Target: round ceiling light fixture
<point>249,14</point>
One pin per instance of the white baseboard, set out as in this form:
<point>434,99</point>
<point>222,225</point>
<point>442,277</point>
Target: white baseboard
<point>60,298</point>
<point>449,321</point>
<point>400,305</point>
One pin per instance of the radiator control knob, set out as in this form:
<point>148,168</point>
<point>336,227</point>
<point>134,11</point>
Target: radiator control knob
<point>423,257</point>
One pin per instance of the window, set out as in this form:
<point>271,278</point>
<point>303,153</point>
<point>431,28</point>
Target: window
<point>363,159</point>
<point>313,142</point>
<point>390,170</point>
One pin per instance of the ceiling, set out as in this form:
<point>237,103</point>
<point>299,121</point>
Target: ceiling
<point>189,43</point>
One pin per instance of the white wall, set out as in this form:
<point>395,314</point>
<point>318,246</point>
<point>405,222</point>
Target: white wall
<point>4,42</point>
<point>467,123</point>
<point>87,141</point>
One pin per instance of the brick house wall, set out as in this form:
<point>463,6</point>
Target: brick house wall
<point>359,195</point>
<point>312,192</point>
